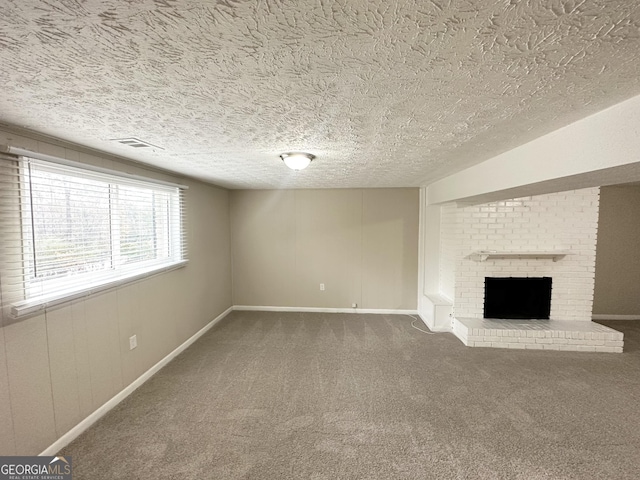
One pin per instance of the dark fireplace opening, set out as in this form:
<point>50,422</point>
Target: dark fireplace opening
<point>517,297</point>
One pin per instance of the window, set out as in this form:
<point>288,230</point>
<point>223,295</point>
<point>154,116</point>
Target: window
<point>82,230</point>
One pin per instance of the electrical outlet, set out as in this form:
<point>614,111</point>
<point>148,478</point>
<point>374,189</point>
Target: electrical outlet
<point>133,342</point>
<point>322,287</point>
<point>354,305</point>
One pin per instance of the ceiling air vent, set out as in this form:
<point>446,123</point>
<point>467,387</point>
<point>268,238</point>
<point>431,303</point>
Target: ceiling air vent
<point>135,143</point>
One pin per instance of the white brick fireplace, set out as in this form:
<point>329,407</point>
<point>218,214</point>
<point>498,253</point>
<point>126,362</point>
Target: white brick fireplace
<point>566,222</point>
<point>550,235</point>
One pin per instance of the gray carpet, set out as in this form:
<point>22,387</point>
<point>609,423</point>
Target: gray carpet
<point>338,396</point>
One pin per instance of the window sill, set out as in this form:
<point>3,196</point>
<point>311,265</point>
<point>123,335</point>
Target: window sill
<point>36,305</point>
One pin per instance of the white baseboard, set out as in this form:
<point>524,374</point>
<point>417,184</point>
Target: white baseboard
<point>76,431</point>
<point>324,310</point>
<point>604,316</point>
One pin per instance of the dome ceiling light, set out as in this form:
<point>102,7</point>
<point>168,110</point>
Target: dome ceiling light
<point>297,160</point>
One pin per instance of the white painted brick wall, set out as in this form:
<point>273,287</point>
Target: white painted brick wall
<point>558,221</point>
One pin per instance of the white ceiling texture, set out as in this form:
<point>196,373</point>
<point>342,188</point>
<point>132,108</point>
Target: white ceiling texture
<point>385,93</point>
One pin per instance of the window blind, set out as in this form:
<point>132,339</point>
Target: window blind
<point>68,231</point>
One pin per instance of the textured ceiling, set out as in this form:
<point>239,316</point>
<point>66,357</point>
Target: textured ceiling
<point>384,93</point>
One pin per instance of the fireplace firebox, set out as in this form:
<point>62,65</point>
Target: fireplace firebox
<point>517,297</point>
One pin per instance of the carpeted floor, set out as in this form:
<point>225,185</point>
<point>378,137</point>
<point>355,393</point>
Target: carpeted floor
<point>339,396</point>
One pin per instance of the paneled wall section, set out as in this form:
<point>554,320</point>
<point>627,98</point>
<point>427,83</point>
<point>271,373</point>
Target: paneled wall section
<point>361,244</point>
<point>618,255</point>
<point>58,367</point>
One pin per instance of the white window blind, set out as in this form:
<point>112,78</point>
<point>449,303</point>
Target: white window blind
<point>69,231</point>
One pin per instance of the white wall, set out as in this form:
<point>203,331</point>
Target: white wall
<point>437,261</point>
<point>450,239</point>
<point>60,366</point>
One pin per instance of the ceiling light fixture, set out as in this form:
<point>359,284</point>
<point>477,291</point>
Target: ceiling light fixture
<point>297,161</point>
